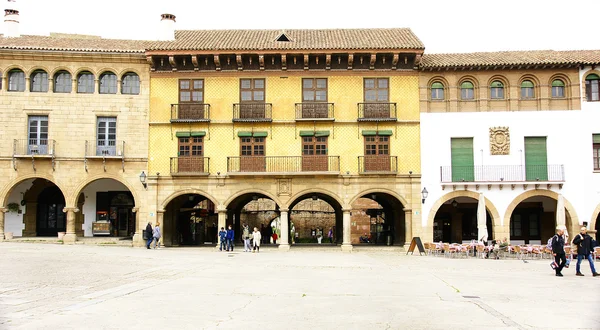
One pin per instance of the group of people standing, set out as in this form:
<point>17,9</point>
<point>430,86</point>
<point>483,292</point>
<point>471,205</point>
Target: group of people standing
<point>585,249</point>
<point>226,238</point>
<point>153,235</point>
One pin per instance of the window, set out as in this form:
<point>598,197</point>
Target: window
<point>85,83</point>
<point>596,151</point>
<point>191,146</point>
<point>191,90</point>
<point>130,84</point>
<point>437,91</point>
<point>467,91</point>
<point>558,88</point>
<point>108,83</point>
<point>252,146</point>
<point>314,90</point>
<point>376,89</point>
<point>314,145</point>
<point>37,136</point>
<point>106,144</point>
<point>16,80</point>
<point>39,81</point>
<point>252,90</point>
<point>497,90</point>
<point>592,88</point>
<point>62,82</point>
<point>527,91</point>
<point>377,151</point>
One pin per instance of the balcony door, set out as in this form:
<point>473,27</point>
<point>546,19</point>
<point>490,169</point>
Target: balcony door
<point>314,153</point>
<point>106,142</point>
<point>252,99</point>
<point>377,153</point>
<point>191,99</point>
<point>314,98</point>
<point>536,161</point>
<point>252,152</point>
<point>376,96</point>
<point>37,142</point>
<point>462,160</point>
<point>191,154</point>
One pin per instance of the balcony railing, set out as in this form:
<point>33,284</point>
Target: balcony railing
<point>252,112</point>
<point>105,148</point>
<point>377,163</point>
<point>190,165</point>
<point>314,111</point>
<point>502,173</point>
<point>190,112</point>
<point>34,147</point>
<point>283,164</point>
<point>377,112</point>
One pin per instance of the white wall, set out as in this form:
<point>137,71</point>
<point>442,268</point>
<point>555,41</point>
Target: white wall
<point>589,124</point>
<point>13,222</point>
<point>89,206</point>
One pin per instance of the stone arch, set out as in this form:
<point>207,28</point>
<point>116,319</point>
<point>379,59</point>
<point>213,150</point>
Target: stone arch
<point>544,193</point>
<point>127,70</point>
<point>592,222</point>
<point>12,67</point>
<point>561,76</point>
<point>469,78</point>
<point>35,68</point>
<point>106,70</point>
<point>53,73</point>
<point>378,190</point>
<point>463,193</point>
<point>250,191</point>
<point>589,72</point>
<point>326,192</point>
<point>84,69</point>
<point>501,79</point>
<point>178,193</point>
<point>73,198</point>
<point>11,185</point>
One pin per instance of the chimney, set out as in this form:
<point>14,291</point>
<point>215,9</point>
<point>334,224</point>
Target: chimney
<point>11,22</point>
<point>166,31</point>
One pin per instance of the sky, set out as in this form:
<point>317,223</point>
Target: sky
<point>450,26</point>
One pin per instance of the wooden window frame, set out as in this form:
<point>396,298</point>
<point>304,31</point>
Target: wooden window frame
<point>464,91</point>
<point>253,143</point>
<point>191,90</point>
<point>437,94</point>
<point>494,91</point>
<point>188,144</point>
<point>527,92</point>
<point>253,89</point>
<point>588,90</point>
<point>314,89</point>
<point>315,142</point>
<point>378,144</point>
<point>596,156</point>
<point>557,88</point>
<point>376,89</point>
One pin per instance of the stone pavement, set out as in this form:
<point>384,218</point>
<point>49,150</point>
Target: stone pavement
<point>46,286</point>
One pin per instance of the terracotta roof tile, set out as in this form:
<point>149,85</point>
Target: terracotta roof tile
<point>30,42</point>
<point>256,40</point>
<point>492,59</point>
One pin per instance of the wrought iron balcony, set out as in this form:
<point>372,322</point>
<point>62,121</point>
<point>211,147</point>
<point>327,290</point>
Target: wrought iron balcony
<point>502,173</point>
<point>190,165</point>
<point>314,111</point>
<point>34,148</point>
<point>190,112</point>
<point>283,164</point>
<point>105,148</point>
<point>377,112</point>
<point>377,164</point>
<point>252,112</point>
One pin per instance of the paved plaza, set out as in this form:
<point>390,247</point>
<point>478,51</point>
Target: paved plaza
<point>49,286</point>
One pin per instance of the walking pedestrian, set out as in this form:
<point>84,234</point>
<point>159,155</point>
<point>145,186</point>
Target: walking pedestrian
<point>222,239</point>
<point>156,235</point>
<point>246,237</point>
<point>584,250</point>
<point>330,235</point>
<point>558,250</point>
<point>256,237</point>
<point>149,236</point>
<point>230,237</point>
<point>274,236</point>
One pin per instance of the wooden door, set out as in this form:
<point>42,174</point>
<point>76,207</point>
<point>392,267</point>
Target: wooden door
<point>462,159</point>
<point>377,154</point>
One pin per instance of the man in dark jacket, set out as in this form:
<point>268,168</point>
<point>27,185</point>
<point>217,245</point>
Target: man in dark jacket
<point>558,250</point>
<point>148,235</point>
<point>230,238</point>
<point>584,250</point>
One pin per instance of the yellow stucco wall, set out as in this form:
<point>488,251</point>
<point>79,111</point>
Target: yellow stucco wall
<point>346,141</point>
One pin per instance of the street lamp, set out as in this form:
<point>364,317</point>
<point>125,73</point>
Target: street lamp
<point>143,180</point>
<point>424,194</point>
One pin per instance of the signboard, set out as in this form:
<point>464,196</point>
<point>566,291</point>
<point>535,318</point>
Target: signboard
<point>416,242</point>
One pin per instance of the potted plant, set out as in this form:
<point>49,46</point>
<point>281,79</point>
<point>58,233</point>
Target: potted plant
<point>13,207</point>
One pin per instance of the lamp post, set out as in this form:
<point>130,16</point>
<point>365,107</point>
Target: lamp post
<point>424,194</point>
<point>143,180</point>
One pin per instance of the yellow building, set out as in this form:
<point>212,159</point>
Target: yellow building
<point>330,115</point>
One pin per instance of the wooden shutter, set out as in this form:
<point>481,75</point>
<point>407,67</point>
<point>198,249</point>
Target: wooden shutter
<point>536,162</point>
<point>462,159</point>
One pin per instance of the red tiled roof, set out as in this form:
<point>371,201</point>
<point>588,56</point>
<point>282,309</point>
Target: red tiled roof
<point>93,44</point>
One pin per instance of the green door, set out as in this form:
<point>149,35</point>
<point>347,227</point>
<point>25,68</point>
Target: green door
<point>536,162</point>
<point>462,160</point>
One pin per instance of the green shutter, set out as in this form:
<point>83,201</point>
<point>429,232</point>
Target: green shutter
<point>558,83</point>
<point>369,133</point>
<point>321,133</point>
<point>260,134</point>
<point>437,85</point>
<point>182,134</point>
<point>592,76</point>
<point>596,138</point>
<point>244,134</point>
<point>462,160</point>
<point>467,85</point>
<point>497,84</point>
<point>536,162</point>
<point>527,84</point>
<point>197,134</point>
<point>307,133</point>
<point>384,133</point>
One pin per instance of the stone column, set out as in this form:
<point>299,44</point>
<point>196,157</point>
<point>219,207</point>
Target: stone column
<point>70,236</point>
<point>407,227</point>
<point>285,230</point>
<point>160,217</point>
<point>138,238</point>
<point>221,222</point>
<point>2,211</point>
<point>347,236</point>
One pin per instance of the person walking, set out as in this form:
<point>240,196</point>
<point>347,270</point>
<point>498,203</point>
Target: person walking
<point>275,237</point>
<point>584,250</point>
<point>246,237</point>
<point>156,235</point>
<point>149,236</point>
<point>230,237</point>
<point>558,250</point>
<point>256,237</point>
<point>330,235</point>
<point>222,239</point>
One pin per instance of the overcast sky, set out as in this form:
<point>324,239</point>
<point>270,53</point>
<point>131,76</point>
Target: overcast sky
<point>444,26</point>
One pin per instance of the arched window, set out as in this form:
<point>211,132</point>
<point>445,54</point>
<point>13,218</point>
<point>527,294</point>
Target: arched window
<point>592,88</point>
<point>16,80</point>
<point>527,91</point>
<point>130,84</point>
<point>467,91</point>
<point>108,83</point>
<point>39,81</point>
<point>85,82</point>
<point>497,90</point>
<point>437,91</point>
<point>62,82</point>
<point>558,88</point>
